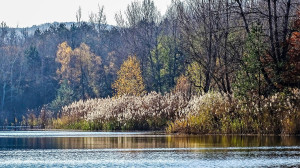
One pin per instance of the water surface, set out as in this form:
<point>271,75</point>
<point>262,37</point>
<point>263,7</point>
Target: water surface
<point>144,149</point>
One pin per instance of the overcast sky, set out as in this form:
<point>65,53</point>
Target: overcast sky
<point>25,13</point>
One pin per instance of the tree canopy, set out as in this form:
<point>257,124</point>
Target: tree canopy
<point>129,80</point>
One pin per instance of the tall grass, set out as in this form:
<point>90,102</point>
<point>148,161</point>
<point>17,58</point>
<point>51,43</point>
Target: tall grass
<point>215,113</point>
<point>211,113</point>
<point>149,112</point>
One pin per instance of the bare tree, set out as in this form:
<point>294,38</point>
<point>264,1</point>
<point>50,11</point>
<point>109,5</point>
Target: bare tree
<point>78,16</point>
<point>98,20</point>
<point>275,17</point>
<point>141,29</point>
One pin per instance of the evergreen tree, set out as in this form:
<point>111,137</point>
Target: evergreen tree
<point>249,78</point>
<point>64,96</point>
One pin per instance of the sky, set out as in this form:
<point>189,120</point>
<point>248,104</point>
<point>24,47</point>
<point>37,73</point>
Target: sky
<point>26,13</point>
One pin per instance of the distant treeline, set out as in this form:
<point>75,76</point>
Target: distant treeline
<point>245,48</point>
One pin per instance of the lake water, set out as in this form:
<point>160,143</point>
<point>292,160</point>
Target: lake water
<point>144,149</point>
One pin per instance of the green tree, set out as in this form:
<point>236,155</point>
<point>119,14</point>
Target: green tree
<point>196,76</point>
<point>167,64</point>
<point>249,77</point>
<point>33,58</point>
<point>64,96</point>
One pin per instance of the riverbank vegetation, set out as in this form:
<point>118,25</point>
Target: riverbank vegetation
<point>149,112</point>
<point>211,113</point>
<point>202,67</point>
<point>214,113</point>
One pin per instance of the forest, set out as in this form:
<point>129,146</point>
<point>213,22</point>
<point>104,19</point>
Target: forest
<point>205,66</point>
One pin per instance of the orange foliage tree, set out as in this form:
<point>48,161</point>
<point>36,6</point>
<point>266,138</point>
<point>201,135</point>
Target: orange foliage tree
<point>286,73</point>
<point>291,75</point>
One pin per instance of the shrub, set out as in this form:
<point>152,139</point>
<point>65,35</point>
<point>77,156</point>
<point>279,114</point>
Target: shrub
<point>32,119</point>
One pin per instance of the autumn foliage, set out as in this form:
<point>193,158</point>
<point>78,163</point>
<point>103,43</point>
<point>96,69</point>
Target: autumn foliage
<point>292,74</point>
<point>286,73</point>
<point>80,68</point>
<point>130,80</point>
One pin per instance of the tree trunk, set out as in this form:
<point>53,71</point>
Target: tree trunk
<point>3,96</point>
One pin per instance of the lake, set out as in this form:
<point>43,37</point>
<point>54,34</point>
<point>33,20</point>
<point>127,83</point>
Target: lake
<point>144,149</point>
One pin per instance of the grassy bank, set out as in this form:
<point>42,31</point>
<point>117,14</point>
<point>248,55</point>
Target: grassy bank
<point>219,114</point>
<point>211,113</point>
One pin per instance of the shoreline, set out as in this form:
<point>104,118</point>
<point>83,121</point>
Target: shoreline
<point>152,132</point>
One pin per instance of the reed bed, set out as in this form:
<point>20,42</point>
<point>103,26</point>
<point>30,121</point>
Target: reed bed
<point>211,113</point>
<point>150,112</point>
<point>214,113</point>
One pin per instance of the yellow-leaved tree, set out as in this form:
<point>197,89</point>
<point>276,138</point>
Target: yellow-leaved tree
<point>130,80</point>
<point>80,68</point>
<point>63,56</point>
<point>87,70</point>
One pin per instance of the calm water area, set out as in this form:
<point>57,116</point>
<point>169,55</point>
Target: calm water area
<point>144,149</point>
